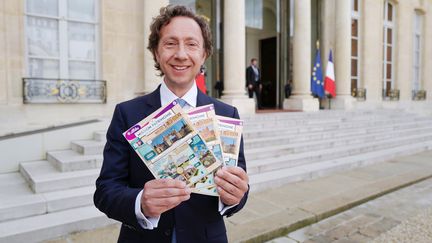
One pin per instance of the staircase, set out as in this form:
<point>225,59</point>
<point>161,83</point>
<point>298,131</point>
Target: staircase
<point>284,148</point>
<point>54,197</point>
<point>50,198</point>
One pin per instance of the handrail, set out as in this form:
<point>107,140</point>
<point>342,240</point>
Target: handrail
<point>47,129</point>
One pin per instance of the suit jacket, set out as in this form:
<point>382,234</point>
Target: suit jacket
<point>123,176</point>
<point>251,75</point>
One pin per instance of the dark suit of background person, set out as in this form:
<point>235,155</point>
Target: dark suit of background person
<point>123,175</point>
<point>253,82</point>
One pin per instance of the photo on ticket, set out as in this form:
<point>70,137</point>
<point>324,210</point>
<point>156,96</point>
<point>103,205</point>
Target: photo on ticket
<point>169,136</point>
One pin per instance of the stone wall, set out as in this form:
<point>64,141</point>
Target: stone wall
<point>121,44</point>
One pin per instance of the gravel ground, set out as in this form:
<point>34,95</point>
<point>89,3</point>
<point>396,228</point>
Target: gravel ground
<point>416,229</point>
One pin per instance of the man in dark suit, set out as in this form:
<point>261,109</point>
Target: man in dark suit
<point>164,210</point>
<point>253,81</point>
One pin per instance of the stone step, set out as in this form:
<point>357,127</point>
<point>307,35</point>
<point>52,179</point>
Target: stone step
<point>300,117</point>
<point>283,137</point>
<point>14,185</point>
<point>381,140</point>
<point>52,225</point>
<point>312,156</point>
<point>272,130</point>
<point>100,136</point>
<point>43,177</point>
<point>300,130</point>
<point>275,178</point>
<point>325,113</point>
<point>306,121</point>
<point>20,201</point>
<point>297,128</point>
<point>69,160</point>
<point>88,147</point>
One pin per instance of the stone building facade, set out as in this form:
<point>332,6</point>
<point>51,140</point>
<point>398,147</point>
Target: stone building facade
<point>382,55</point>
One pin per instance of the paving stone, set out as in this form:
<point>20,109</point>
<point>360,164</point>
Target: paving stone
<point>331,184</point>
<point>319,239</point>
<point>370,231</point>
<point>325,205</point>
<point>273,222</point>
<point>366,173</point>
<point>360,193</point>
<point>244,216</point>
<point>333,221</point>
<point>261,206</point>
<point>349,227</point>
<point>416,158</point>
<point>304,233</point>
<point>341,231</point>
<point>357,237</point>
<point>283,240</point>
<point>290,196</point>
<point>107,234</point>
<point>386,224</point>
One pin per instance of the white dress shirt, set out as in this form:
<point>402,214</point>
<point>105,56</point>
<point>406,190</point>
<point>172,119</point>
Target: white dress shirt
<point>168,96</point>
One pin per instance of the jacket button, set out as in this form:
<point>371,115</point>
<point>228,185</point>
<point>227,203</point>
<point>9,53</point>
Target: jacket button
<point>167,232</point>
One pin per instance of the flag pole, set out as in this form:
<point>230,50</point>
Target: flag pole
<point>319,98</point>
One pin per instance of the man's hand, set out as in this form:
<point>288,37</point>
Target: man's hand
<point>161,195</point>
<point>232,184</point>
<point>250,86</point>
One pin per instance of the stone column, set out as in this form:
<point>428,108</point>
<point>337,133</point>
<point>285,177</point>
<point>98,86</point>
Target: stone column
<point>403,60</point>
<point>371,34</point>
<point>427,61</point>
<point>343,99</point>
<point>301,98</point>
<point>234,53</point>
<point>3,58</point>
<point>151,80</point>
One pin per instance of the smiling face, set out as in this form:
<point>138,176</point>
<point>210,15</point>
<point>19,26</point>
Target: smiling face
<point>180,53</point>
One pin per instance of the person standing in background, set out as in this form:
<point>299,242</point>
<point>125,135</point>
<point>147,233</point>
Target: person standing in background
<point>253,81</point>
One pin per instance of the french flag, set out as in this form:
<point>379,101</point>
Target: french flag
<point>329,81</point>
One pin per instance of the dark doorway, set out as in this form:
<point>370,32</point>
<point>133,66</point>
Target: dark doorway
<point>268,72</point>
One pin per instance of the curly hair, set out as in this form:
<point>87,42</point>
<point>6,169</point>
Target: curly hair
<point>165,15</point>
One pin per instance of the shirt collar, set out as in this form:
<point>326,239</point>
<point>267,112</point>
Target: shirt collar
<point>190,97</point>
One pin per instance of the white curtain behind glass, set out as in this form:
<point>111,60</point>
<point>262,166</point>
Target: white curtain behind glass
<point>70,56</point>
<point>417,51</point>
<point>254,13</point>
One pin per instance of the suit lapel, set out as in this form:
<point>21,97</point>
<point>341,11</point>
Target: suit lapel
<point>152,101</point>
<point>203,99</point>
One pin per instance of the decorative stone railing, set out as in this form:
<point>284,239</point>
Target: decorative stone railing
<point>40,90</point>
<point>391,94</point>
<point>360,94</point>
<point>419,95</point>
